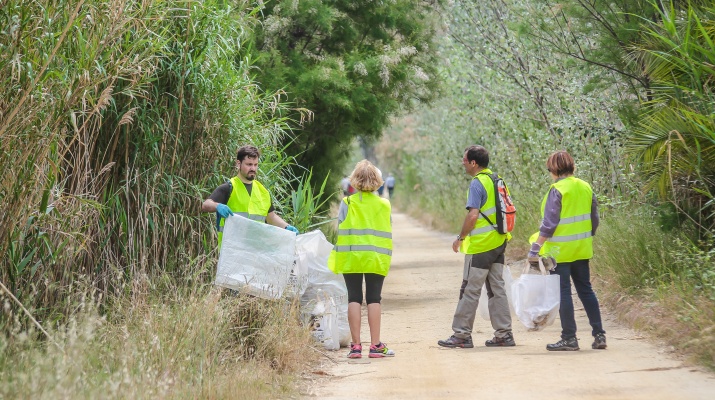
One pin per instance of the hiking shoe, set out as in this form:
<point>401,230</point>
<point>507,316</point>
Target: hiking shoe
<point>570,344</point>
<point>454,341</point>
<point>355,350</point>
<point>505,341</point>
<point>380,351</point>
<point>599,342</point>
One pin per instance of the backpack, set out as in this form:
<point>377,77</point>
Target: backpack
<point>505,209</point>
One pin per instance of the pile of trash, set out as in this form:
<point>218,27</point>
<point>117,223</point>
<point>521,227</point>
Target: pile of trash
<point>272,263</point>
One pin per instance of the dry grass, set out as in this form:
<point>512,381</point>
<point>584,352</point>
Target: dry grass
<point>202,345</point>
<point>666,316</point>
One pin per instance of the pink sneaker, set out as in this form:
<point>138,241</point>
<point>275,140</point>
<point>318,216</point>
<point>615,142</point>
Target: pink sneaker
<point>355,350</point>
<point>380,351</point>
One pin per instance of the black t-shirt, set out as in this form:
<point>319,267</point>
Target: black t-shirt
<point>223,193</point>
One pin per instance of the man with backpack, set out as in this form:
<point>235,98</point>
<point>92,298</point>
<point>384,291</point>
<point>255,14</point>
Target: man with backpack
<point>483,241</point>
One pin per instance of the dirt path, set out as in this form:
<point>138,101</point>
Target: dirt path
<point>419,298</point>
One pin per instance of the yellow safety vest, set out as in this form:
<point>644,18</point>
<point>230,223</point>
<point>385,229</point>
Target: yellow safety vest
<point>484,236</point>
<point>572,238</point>
<point>364,237</point>
<point>254,207</point>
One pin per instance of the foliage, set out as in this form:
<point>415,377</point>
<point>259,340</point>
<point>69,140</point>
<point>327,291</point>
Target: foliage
<point>506,91</point>
<point>353,64</point>
<point>116,118</point>
<point>693,267</point>
<point>663,284</point>
<point>306,204</point>
<point>674,143</point>
<point>597,35</point>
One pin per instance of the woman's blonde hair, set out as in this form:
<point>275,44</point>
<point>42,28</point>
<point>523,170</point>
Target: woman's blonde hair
<point>366,177</point>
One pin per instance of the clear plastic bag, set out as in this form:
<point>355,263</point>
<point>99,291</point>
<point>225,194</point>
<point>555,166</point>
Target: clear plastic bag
<point>537,298</point>
<point>256,258</point>
<point>325,321</point>
<point>483,307</point>
<point>313,250</point>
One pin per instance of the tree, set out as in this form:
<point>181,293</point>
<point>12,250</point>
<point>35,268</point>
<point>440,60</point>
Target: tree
<point>674,141</point>
<point>353,64</point>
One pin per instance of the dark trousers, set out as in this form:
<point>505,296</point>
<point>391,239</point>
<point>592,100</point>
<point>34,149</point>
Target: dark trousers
<point>373,287</point>
<point>580,272</point>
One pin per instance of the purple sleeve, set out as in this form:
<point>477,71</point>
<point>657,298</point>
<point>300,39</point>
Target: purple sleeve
<point>343,212</point>
<point>595,219</point>
<point>552,214</point>
<point>477,195</point>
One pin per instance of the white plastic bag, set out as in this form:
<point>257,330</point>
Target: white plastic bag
<point>536,298</point>
<point>256,258</point>
<point>325,321</point>
<point>313,250</point>
<point>483,307</point>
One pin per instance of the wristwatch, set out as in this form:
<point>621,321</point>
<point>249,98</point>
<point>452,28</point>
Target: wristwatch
<point>460,238</point>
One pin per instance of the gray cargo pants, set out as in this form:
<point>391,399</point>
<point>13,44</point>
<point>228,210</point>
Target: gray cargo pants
<point>473,279</point>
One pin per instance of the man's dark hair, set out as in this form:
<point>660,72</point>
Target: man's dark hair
<point>478,154</point>
<point>247,151</point>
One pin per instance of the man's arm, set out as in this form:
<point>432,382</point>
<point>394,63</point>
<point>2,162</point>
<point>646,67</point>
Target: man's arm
<point>218,196</point>
<point>209,206</point>
<point>469,221</point>
<point>275,220</point>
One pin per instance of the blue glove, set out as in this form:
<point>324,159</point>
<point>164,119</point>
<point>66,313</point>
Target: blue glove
<point>292,229</point>
<point>534,253</point>
<point>223,211</point>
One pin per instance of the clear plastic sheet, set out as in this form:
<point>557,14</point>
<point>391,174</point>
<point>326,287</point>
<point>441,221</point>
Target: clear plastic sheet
<point>256,258</point>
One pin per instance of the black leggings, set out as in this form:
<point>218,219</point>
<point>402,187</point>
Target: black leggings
<point>373,287</point>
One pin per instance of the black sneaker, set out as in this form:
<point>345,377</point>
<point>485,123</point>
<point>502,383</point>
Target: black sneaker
<point>564,345</point>
<point>599,342</point>
<point>505,341</point>
<point>454,341</point>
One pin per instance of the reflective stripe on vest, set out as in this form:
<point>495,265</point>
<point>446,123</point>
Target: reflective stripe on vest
<point>356,247</point>
<point>572,238</point>
<point>487,213</point>
<point>364,243</point>
<point>577,218</point>
<point>482,230</point>
<point>484,236</point>
<point>365,232</point>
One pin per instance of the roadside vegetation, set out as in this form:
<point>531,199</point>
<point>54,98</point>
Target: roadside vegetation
<point>625,88</point>
<point>117,119</point>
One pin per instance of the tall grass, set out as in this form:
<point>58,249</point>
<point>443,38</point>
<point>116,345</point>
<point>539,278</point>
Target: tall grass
<point>190,344</point>
<point>116,116</point>
<point>661,283</point>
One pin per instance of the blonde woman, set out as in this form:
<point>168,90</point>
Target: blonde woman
<point>364,251</point>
